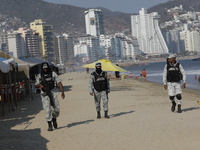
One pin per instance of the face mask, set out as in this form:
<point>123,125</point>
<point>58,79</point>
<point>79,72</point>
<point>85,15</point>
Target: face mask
<point>98,70</point>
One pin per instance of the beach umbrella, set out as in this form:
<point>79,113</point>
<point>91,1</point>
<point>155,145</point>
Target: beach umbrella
<point>106,66</point>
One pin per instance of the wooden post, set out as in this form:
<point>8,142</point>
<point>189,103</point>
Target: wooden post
<point>1,92</point>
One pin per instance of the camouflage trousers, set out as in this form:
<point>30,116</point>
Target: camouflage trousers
<point>51,111</point>
<point>97,100</point>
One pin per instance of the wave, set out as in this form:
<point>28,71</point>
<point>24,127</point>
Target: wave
<point>188,72</point>
<point>192,72</point>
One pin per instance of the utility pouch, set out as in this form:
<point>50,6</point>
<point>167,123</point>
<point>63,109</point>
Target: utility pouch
<point>44,94</point>
<point>181,76</point>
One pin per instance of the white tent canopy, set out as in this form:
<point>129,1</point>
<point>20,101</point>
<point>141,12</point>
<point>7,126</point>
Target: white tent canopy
<point>22,66</point>
<point>5,65</point>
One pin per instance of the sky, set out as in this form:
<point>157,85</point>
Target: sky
<point>126,6</point>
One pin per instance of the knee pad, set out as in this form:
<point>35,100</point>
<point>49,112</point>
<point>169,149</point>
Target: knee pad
<point>178,96</point>
<point>171,98</point>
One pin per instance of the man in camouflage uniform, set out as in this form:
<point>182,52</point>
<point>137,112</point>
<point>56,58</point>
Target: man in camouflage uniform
<point>46,82</point>
<point>99,87</point>
<point>174,80</point>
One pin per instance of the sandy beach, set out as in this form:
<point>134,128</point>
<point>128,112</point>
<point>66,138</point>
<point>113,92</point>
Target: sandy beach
<point>140,119</point>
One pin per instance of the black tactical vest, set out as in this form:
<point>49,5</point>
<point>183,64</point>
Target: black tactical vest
<point>173,73</point>
<point>47,80</point>
<point>100,81</point>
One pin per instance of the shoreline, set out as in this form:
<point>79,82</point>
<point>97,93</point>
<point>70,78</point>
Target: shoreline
<point>194,91</point>
<point>112,76</point>
<point>127,64</point>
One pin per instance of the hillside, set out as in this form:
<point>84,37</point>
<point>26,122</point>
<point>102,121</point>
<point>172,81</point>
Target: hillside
<point>70,19</point>
<point>64,18</point>
<point>188,5</point>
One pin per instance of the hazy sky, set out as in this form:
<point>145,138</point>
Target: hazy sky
<point>127,6</point>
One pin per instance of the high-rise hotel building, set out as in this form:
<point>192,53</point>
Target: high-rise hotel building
<point>13,44</point>
<point>31,42</point>
<point>146,29</point>
<point>46,43</point>
<point>94,22</point>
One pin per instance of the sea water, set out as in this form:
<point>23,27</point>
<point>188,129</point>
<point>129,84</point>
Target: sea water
<point>155,71</point>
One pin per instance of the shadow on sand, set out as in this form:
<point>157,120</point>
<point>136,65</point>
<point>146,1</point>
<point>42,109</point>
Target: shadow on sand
<point>76,123</point>
<point>67,88</point>
<point>121,113</point>
<point>22,139</point>
<point>89,121</point>
<point>121,88</point>
<point>190,109</point>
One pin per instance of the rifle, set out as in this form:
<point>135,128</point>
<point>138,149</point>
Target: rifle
<point>47,91</point>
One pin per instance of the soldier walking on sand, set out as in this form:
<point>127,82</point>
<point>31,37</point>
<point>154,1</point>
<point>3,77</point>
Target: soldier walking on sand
<point>46,82</point>
<point>172,76</point>
<point>99,87</point>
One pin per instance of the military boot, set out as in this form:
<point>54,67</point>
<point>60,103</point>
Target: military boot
<point>98,115</point>
<point>179,109</point>
<point>50,126</point>
<point>106,115</point>
<point>54,123</point>
<point>173,106</point>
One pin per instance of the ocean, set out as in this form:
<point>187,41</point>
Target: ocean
<point>155,71</point>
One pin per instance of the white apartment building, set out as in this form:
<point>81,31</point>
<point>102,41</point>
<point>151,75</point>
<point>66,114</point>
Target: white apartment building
<point>81,51</point>
<point>190,40</point>
<point>119,47</point>
<point>195,41</point>
<point>107,46</point>
<point>126,47</point>
<point>88,46</point>
<point>198,16</point>
<point>94,22</point>
<point>16,45</point>
<point>175,9</point>
<point>13,44</point>
<point>192,14</point>
<point>185,40</point>
<point>111,47</point>
<point>146,29</point>
<point>130,49</point>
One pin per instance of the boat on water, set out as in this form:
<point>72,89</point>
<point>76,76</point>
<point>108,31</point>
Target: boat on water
<point>196,59</point>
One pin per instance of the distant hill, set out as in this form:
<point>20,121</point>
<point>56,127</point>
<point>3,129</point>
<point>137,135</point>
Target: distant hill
<point>70,19</point>
<point>64,18</point>
<point>188,5</point>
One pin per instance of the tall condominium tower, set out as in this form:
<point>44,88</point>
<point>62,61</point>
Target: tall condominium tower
<point>16,45</point>
<point>94,22</point>
<point>13,44</point>
<point>172,38</point>
<point>46,39</point>
<point>31,42</point>
<point>146,29</point>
